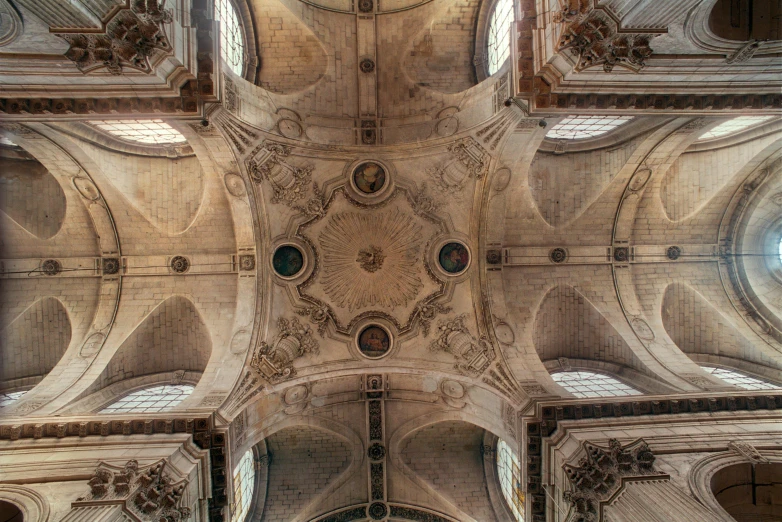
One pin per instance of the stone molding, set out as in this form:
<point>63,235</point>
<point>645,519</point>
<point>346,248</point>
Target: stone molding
<point>132,35</point>
<point>198,87</point>
<point>205,437</point>
<point>34,505</point>
<point>274,362</point>
<point>544,423</point>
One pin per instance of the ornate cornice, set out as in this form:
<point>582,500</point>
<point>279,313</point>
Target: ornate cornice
<point>205,436</point>
<point>544,424</point>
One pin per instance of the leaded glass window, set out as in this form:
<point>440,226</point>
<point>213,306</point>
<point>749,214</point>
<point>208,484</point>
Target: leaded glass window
<point>733,126</point>
<point>739,379</point>
<point>10,397</point>
<point>590,384</point>
<point>151,400</point>
<point>231,36</point>
<point>151,132</point>
<point>581,127</point>
<point>509,472</point>
<point>244,482</point>
<point>498,47</point>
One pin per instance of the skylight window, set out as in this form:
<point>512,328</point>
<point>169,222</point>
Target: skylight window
<point>581,127</point>
<point>244,482</point>
<point>739,379</point>
<point>590,384</point>
<point>733,126</point>
<point>9,398</point>
<point>151,400</point>
<point>498,48</point>
<point>152,132</point>
<point>509,472</point>
<point>231,37</point>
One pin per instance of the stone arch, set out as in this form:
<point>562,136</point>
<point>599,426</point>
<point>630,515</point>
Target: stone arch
<point>306,444</point>
<point>33,506</point>
<point>33,343</point>
<point>563,186</point>
<point>440,56</point>
<point>444,433</point>
<point>172,338</point>
<point>701,331</point>
<point>24,179</point>
<point>292,55</point>
<point>715,470</point>
<point>568,326</point>
<point>746,20</point>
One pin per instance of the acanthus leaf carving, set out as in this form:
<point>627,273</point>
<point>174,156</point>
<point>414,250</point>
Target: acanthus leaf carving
<point>274,362</point>
<point>598,475</point>
<point>427,313</point>
<point>131,37</point>
<point>149,493</point>
<point>594,38</point>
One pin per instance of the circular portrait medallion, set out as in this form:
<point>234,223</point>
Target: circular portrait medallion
<point>454,258</point>
<point>369,177</point>
<point>287,261</point>
<point>374,342</point>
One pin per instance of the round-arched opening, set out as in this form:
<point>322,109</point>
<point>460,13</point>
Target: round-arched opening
<point>231,36</point>
<point>740,379</point>
<point>498,43</point>
<point>591,384</point>
<point>147,132</point>
<point>750,492</point>
<point>733,126</point>
<point>509,473</point>
<point>744,20</point>
<point>10,512</point>
<point>244,483</point>
<point>151,400</point>
<point>582,127</point>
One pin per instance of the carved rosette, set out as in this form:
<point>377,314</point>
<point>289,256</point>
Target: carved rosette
<point>598,475</point>
<point>274,362</point>
<point>131,37</point>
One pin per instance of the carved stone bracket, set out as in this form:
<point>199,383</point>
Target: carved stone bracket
<point>274,362</point>
<point>131,37</point>
<point>598,475</point>
<point>747,450</point>
<point>150,494</point>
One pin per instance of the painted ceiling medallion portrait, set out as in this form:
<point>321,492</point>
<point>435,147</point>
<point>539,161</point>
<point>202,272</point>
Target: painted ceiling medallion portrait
<point>288,261</point>
<point>369,177</point>
<point>454,258</point>
<point>374,342</point>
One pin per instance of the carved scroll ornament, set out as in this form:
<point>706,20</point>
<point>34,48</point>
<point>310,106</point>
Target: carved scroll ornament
<point>275,361</point>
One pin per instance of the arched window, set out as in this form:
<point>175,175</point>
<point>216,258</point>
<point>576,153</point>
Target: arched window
<point>231,36</point>
<point>498,45</point>
<point>151,400</point>
<point>8,398</point>
<point>589,384</point>
<point>580,127</point>
<point>151,132</point>
<point>244,482</point>
<point>739,379</point>
<point>733,126</point>
<point>509,472</point>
